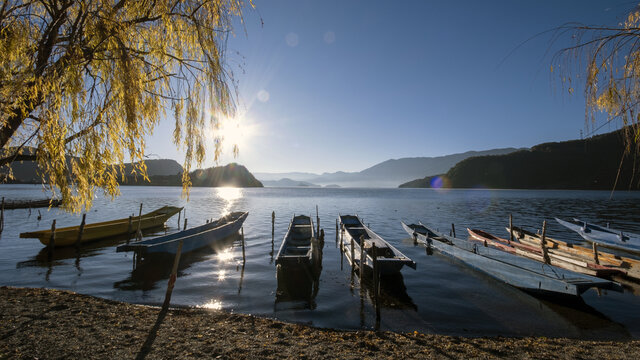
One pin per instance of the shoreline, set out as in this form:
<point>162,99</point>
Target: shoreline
<point>45,323</point>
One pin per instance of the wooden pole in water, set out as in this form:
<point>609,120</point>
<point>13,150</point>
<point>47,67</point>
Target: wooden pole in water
<point>2,216</point>
<point>185,224</point>
<point>179,213</point>
<point>363,256</point>
<point>172,278</point>
<point>317,220</point>
<point>543,243</point>
<point>139,231</point>
<point>376,281</point>
<point>244,259</point>
<point>353,263</point>
<point>510,228</point>
<point>453,230</point>
<point>273,222</point>
<point>595,253</point>
<point>81,230</point>
<point>52,240</point>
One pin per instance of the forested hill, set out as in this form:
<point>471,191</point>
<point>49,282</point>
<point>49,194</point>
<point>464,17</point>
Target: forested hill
<point>233,175</point>
<point>578,164</point>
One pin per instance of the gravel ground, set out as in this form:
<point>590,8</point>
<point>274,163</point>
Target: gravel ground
<point>53,324</point>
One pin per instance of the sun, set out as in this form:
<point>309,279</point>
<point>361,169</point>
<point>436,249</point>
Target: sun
<point>234,132</point>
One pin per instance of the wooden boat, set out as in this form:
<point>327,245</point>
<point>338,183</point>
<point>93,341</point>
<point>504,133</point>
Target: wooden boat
<point>614,239</point>
<point>69,235</point>
<point>564,261</point>
<point>192,239</point>
<point>390,260</point>
<point>523,273</point>
<point>631,267</point>
<point>297,245</point>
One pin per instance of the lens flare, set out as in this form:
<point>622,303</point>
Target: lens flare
<point>440,183</point>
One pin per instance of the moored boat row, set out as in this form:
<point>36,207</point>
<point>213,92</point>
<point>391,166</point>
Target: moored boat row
<point>523,273</point>
<point>567,269</point>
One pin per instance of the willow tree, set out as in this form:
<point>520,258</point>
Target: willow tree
<point>85,81</point>
<point>607,59</point>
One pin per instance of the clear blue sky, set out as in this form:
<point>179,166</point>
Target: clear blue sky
<point>342,85</point>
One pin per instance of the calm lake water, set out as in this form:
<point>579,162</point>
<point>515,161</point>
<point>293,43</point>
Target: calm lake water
<point>441,296</point>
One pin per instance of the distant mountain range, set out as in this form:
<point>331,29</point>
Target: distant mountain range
<point>161,172</point>
<point>388,173</point>
<point>233,175</point>
<point>286,182</point>
<point>590,164</point>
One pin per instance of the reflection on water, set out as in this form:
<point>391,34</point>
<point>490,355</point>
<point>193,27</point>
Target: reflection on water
<point>441,296</point>
<point>150,271</point>
<point>229,195</point>
<point>298,284</point>
<point>393,291</point>
<point>212,305</point>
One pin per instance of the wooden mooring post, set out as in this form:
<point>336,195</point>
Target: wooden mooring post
<point>244,258</point>
<point>543,243</point>
<point>2,216</point>
<point>139,231</point>
<point>453,230</point>
<point>273,223</point>
<point>376,281</point>
<point>185,224</point>
<point>363,258</point>
<point>172,278</point>
<point>510,228</point>
<point>81,230</point>
<point>317,220</point>
<point>595,253</point>
<point>52,239</point>
<point>179,213</point>
<point>353,262</point>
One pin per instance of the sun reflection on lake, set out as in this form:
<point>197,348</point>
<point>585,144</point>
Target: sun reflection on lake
<point>212,305</point>
<point>225,256</point>
<point>222,274</point>
<point>229,195</point>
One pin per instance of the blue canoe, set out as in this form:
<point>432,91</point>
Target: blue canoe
<point>604,236</point>
<point>192,239</point>
<point>523,273</point>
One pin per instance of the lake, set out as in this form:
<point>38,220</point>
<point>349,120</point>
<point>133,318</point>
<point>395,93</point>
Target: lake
<point>441,296</point>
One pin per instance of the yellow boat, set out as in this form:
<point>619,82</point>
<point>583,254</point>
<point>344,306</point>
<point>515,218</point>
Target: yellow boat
<point>69,235</point>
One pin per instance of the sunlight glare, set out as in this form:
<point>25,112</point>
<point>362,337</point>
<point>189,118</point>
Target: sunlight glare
<point>229,194</point>
<point>222,275</point>
<point>225,256</point>
<point>212,305</point>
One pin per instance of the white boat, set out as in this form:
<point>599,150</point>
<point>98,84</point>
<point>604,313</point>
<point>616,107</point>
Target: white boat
<point>390,260</point>
<point>523,273</point>
<point>604,236</point>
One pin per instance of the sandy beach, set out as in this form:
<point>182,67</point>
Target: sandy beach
<point>53,324</point>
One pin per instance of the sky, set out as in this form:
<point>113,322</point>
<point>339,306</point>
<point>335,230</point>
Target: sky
<point>327,86</point>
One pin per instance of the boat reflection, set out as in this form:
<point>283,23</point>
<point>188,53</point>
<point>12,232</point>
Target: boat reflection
<point>47,259</point>
<point>298,284</point>
<point>586,320</point>
<point>393,291</point>
<point>154,268</point>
